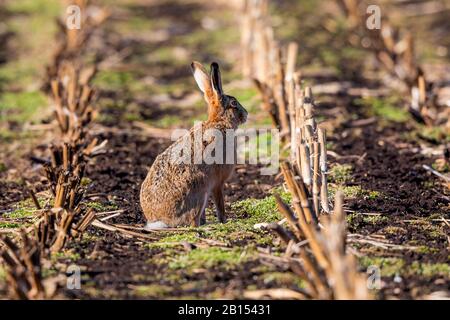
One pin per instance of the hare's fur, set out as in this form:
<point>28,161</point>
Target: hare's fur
<point>176,193</point>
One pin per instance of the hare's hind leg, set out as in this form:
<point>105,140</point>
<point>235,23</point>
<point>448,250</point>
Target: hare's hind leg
<point>219,202</point>
<point>198,212</point>
<point>199,219</point>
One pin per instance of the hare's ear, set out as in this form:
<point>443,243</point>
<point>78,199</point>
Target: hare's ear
<point>201,77</point>
<point>216,79</point>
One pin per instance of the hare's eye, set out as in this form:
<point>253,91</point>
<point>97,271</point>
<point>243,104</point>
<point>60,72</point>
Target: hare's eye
<point>233,103</point>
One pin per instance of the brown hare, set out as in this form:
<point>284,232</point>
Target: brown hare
<point>175,193</point>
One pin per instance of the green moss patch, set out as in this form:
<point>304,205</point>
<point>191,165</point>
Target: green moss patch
<point>9,225</point>
<point>24,209</point>
<point>22,214</point>
<point>356,221</point>
<point>389,109</point>
<point>167,121</point>
<point>151,290</point>
<point>65,255</point>
<point>393,230</point>
<point>429,269</point>
<point>352,192</point>
<point>282,279</point>
<point>102,206</point>
<point>212,257</point>
<point>426,250</point>
<point>260,210</point>
<point>388,266</point>
<point>114,80</point>
<point>340,173</point>
<point>21,106</point>
<point>425,227</point>
<point>395,266</point>
<point>43,7</point>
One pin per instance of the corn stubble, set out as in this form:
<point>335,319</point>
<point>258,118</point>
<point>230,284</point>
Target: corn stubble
<point>316,237</point>
<point>394,49</point>
<point>67,218</point>
<point>317,248</point>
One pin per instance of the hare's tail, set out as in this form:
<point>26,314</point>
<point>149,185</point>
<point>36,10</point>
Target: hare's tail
<point>155,225</point>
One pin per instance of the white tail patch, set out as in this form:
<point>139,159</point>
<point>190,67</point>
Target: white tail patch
<point>155,225</point>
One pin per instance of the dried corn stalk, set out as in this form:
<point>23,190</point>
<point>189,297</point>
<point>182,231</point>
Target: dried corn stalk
<point>71,42</point>
<point>256,34</point>
<point>268,64</point>
<point>74,103</point>
<point>68,217</point>
<point>323,263</point>
<point>74,108</point>
<point>23,268</point>
<point>394,49</point>
<point>308,147</point>
<point>73,100</point>
<point>273,70</point>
